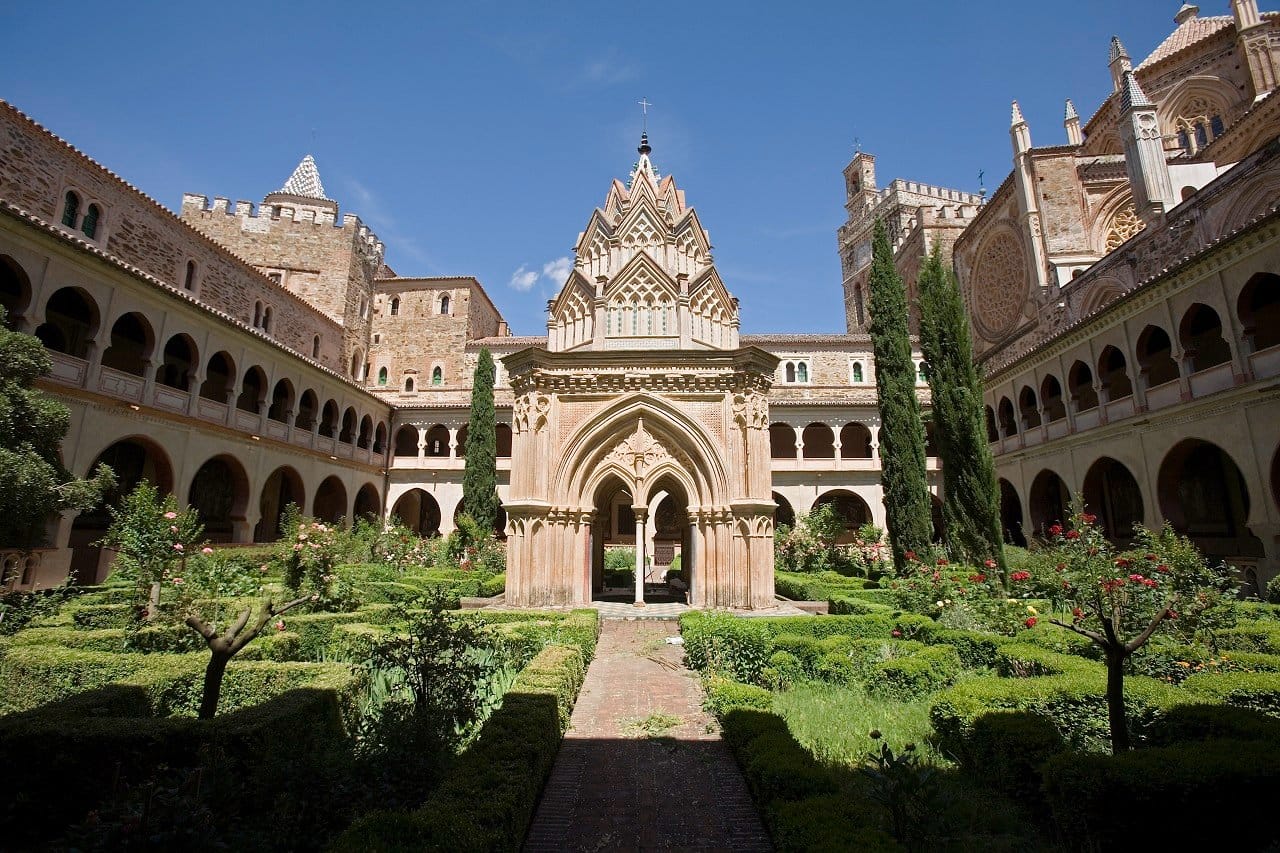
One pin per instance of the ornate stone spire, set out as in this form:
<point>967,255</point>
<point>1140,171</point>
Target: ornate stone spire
<point>644,165</point>
<point>1131,94</point>
<point>1017,115</point>
<point>305,181</point>
<point>1072,123</point>
<point>1119,63</point>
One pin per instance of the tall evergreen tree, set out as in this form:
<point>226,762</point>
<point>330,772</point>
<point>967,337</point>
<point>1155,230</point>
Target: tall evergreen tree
<point>971,503</point>
<point>33,481</point>
<point>480,477</point>
<point>906,490</point>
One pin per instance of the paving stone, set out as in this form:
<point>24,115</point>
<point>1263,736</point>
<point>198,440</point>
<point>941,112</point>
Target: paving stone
<point>618,786</point>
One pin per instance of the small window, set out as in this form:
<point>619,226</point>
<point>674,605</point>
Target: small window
<point>257,315</point>
<point>922,372</point>
<point>90,225</point>
<point>395,306</point>
<point>437,376</point>
<point>791,371</point>
<point>802,372</point>
<point>444,304</point>
<point>364,308</point>
<point>1202,135</point>
<point>1217,126</point>
<point>266,319</point>
<point>377,338</point>
<point>71,210</point>
<point>857,372</point>
<point>315,347</point>
<point>189,282</point>
<point>278,278</point>
<point>275,211</point>
<point>408,383</point>
<point>382,376</point>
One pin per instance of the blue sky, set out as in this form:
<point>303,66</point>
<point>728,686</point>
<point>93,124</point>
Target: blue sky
<point>475,138</point>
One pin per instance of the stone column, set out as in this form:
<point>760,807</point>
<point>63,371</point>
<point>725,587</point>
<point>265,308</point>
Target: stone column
<point>642,534</point>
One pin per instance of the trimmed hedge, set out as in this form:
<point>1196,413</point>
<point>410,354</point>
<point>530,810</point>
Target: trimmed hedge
<point>1074,702</point>
<point>723,695</point>
<point>849,605</point>
<point>1006,748</point>
<point>102,615</point>
<point>1257,691</point>
<point>1203,722</point>
<point>1213,795</point>
<point>820,586</point>
<point>1261,637</point>
<point>75,751</point>
<point>802,802</point>
<point>487,800</point>
<point>915,674</point>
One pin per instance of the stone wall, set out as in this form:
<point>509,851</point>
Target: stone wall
<point>418,338</point>
<point>37,170</point>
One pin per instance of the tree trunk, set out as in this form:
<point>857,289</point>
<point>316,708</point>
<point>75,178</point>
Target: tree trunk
<point>1115,702</point>
<point>213,684</point>
<point>153,602</point>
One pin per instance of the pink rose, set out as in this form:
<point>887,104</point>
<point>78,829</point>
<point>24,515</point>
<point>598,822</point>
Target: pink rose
<point>177,581</point>
<point>279,625</point>
<point>177,546</point>
<point>171,515</point>
<point>206,551</point>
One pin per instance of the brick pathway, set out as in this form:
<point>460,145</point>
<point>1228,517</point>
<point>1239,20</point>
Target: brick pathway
<point>616,786</point>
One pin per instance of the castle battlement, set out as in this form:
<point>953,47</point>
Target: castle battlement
<point>286,214</point>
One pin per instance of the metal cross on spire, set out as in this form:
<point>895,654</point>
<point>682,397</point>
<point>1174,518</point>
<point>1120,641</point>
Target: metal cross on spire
<point>644,109</point>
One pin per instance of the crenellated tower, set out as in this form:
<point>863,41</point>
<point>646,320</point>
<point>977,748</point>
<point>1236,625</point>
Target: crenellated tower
<point>299,239</point>
<point>643,275</point>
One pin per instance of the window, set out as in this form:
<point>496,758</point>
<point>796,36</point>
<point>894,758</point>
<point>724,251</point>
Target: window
<point>408,384</point>
<point>444,304</point>
<point>278,278</point>
<point>796,371</point>
<point>189,281</point>
<point>1217,126</point>
<point>266,319</point>
<point>382,376</point>
<point>315,347</point>
<point>922,372</point>
<point>437,376</point>
<point>90,225</point>
<point>802,372</point>
<point>857,372</point>
<point>791,372</point>
<point>275,211</point>
<point>364,308</point>
<point>71,210</point>
<point>377,338</point>
<point>395,306</point>
<point>257,315</point>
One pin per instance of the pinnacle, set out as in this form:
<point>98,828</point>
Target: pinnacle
<point>1131,94</point>
<point>305,181</point>
<point>1017,115</point>
<point>1117,49</point>
<point>1071,111</point>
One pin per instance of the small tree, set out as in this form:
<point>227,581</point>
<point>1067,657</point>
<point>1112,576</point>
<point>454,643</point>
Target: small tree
<point>480,477</point>
<point>153,537</point>
<point>1120,600</point>
<point>971,503</point>
<point>908,511</point>
<point>32,427</point>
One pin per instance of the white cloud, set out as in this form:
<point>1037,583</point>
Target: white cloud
<point>524,278</point>
<point>557,271</point>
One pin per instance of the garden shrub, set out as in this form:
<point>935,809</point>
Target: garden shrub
<point>1188,723</point>
<point>782,671</point>
<point>1023,660</point>
<point>487,800</point>
<point>93,616</point>
<point>1006,749</point>
<point>976,649</point>
<point>1175,663</point>
<point>1074,702</point>
<point>827,824</point>
<point>98,640</point>
<point>1258,691</point>
<point>816,586</point>
<point>1215,795</point>
<point>1260,637</point>
<point>849,605</point>
<point>916,674</point>
<point>723,695</point>
<point>719,642</point>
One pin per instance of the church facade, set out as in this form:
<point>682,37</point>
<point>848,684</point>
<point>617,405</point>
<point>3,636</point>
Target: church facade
<point>1123,290</point>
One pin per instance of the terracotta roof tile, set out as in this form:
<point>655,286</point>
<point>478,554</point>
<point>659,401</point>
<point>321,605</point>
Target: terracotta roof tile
<point>1189,32</point>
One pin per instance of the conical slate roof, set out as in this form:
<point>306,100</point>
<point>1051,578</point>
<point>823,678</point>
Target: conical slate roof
<point>305,181</point>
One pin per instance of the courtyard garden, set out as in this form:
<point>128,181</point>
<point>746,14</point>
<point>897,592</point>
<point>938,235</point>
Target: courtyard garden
<point>1093,698</point>
<point>324,691</point>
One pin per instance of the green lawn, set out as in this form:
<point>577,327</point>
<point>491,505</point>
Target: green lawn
<point>834,723</point>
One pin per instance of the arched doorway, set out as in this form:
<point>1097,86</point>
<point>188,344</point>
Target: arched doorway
<point>219,492</point>
<point>852,509</point>
<point>178,363</point>
<point>782,441</point>
<point>819,442</point>
<point>1111,493</point>
<point>331,501</point>
<point>70,322</point>
<point>418,511</point>
<point>406,441</point>
<point>368,503</point>
<point>129,350</point>
<point>1050,502</point>
<point>15,291</point>
<point>785,513</point>
<point>855,441</point>
<point>282,488</point>
<point>1203,495</point>
<point>133,460</point>
<point>1011,515</point>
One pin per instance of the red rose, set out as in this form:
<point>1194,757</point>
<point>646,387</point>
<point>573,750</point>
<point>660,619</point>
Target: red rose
<point>1150,583</point>
<point>910,555</point>
<point>1122,562</point>
<point>990,564</point>
<point>1055,530</point>
<point>1089,518</point>
<point>1078,613</point>
<point>1020,576</point>
<point>1073,534</point>
<point>1030,622</point>
<point>941,562</point>
<point>1136,578</point>
<point>1061,567</point>
<point>897,633</point>
<point>978,578</point>
<point>1152,557</point>
<point>1162,569</point>
<point>1171,614</point>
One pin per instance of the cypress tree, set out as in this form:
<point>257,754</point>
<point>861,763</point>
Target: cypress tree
<point>902,467</point>
<point>971,503</point>
<point>480,477</point>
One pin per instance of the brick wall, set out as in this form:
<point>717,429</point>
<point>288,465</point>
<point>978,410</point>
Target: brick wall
<point>36,171</point>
